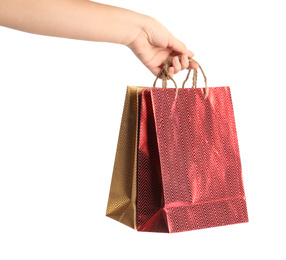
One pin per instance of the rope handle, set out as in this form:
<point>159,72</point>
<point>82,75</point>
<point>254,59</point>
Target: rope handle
<point>165,74</point>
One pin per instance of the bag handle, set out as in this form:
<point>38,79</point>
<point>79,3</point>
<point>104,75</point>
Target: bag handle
<point>165,74</point>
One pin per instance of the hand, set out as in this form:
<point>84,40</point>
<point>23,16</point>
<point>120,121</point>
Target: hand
<point>155,44</point>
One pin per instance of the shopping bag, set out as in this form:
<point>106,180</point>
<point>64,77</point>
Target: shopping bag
<point>122,196</point>
<point>177,164</point>
<point>189,170</point>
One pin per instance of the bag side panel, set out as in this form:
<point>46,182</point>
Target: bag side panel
<point>122,197</point>
<point>149,189</point>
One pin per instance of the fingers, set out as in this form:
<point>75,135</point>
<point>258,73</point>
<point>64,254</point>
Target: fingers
<point>182,63</point>
<point>193,65</point>
<point>176,64</point>
<point>171,71</point>
<point>179,47</point>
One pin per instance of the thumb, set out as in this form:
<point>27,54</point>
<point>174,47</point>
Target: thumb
<point>179,47</point>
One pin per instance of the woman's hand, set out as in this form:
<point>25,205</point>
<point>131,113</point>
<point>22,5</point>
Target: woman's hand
<point>154,44</point>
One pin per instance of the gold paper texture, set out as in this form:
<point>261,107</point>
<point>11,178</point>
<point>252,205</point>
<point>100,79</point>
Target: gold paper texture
<point>122,197</point>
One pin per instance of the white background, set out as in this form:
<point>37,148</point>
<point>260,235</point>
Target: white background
<point>60,109</point>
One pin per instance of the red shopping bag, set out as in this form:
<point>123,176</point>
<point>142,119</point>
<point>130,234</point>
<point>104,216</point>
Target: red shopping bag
<point>189,170</point>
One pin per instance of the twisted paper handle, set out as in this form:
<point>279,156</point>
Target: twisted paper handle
<point>165,74</point>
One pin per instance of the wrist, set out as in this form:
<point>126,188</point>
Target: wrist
<point>136,26</point>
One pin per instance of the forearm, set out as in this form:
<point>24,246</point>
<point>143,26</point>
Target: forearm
<point>150,41</point>
<point>75,19</point>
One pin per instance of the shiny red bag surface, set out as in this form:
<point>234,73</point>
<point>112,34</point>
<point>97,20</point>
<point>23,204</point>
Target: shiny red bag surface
<point>189,168</point>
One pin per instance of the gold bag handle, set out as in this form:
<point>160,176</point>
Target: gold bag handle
<point>165,74</point>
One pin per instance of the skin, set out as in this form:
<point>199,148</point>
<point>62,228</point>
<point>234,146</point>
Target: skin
<point>149,40</point>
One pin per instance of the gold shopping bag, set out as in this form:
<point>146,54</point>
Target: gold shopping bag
<point>122,196</point>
